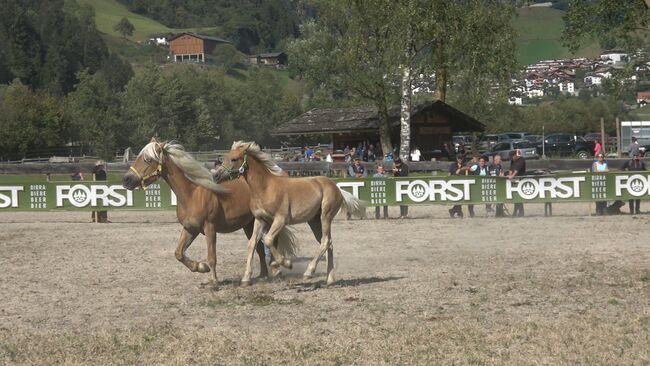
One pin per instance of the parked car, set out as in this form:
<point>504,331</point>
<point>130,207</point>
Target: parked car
<point>488,141</point>
<point>565,144</point>
<point>535,139</point>
<point>517,135</point>
<point>504,148</point>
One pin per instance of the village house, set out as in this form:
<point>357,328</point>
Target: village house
<point>275,59</point>
<point>614,57</point>
<point>193,47</point>
<point>567,86</point>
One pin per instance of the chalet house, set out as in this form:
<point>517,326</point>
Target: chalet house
<point>641,96</point>
<point>614,57</point>
<point>567,86</point>
<point>160,39</point>
<point>275,59</point>
<point>535,93</point>
<point>193,47</point>
<point>432,125</point>
<point>515,101</point>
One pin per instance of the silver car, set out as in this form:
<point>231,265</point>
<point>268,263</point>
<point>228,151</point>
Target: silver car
<point>529,150</point>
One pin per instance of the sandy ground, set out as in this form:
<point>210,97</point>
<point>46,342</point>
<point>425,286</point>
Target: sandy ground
<point>570,289</point>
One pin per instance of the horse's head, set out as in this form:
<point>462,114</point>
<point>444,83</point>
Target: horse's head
<point>146,168</point>
<point>234,163</point>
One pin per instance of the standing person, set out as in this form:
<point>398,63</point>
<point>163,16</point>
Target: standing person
<point>480,169</point>
<point>78,176</point>
<point>598,148</point>
<point>517,169</point>
<point>600,166</point>
<point>357,170</point>
<point>415,154</point>
<point>381,173</point>
<point>496,170</point>
<point>308,153</point>
<point>401,170</point>
<point>99,174</point>
<point>633,148</point>
<point>371,154</point>
<point>457,168</point>
<point>635,164</point>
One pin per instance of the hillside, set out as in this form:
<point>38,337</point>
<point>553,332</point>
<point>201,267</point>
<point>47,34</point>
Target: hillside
<point>539,36</point>
<point>109,12</point>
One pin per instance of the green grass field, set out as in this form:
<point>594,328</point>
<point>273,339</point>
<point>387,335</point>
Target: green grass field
<point>539,36</point>
<point>110,12</point>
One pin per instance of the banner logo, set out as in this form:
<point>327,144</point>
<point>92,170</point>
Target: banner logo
<point>81,196</point>
<point>11,198</point>
<point>636,184</point>
<point>435,190</point>
<point>531,188</point>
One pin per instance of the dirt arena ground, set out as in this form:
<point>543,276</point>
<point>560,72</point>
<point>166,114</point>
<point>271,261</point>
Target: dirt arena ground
<point>566,290</point>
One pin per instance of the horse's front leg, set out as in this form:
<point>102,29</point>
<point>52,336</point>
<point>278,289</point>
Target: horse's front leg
<point>211,240</point>
<point>269,241</point>
<point>258,229</point>
<point>184,242</point>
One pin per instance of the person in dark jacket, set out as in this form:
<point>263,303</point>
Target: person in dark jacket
<point>99,174</point>
<point>401,170</point>
<point>457,168</point>
<point>517,169</point>
<point>637,165</point>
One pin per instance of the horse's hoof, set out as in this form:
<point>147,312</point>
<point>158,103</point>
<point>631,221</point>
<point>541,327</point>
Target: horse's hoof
<point>245,283</point>
<point>203,267</point>
<point>287,264</point>
<point>306,278</point>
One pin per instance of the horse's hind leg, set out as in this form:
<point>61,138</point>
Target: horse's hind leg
<point>321,227</point>
<point>269,241</point>
<point>184,242</point>
<point>211,241</point>
<point>259,247</point>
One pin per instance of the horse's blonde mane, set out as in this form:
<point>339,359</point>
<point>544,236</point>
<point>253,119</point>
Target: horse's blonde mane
<point>193,170</point>
<point>264,158</point>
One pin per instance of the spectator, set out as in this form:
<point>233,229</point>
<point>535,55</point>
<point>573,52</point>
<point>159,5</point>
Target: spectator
<point>78,176</point>
<point>401,170</point>
<point>517,169</point>
<point>633,148</point>
<point>357,170</point>
<point>496,170</point>
<point>381,173</point>
<point>388,157</point>
<point>480,169</point>
<point>600,166</point>
<point>415,154</point>
<point>308,153</point>
<point>457,168</point>
<point>99,174</point>
<point>371,154</point>
<point>598,148</point>
<point>317,156</point>
<point>635,164</point>
<point>217,164</point>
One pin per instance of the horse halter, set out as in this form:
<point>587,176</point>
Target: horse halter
<point>236,173</point>
<point>155,173</point>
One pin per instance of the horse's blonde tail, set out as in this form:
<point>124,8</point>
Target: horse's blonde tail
<point>353,205</point>
<point>286,242</point>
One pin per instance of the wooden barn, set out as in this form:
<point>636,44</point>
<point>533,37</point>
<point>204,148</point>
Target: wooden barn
<point>276,59</point>
<point>193,47</point>
<point>432,125</point>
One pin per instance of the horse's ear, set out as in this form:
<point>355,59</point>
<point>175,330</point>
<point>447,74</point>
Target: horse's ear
<point>153,139</point>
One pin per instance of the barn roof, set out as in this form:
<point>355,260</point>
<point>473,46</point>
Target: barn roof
<point>201,36</point>
<point>357,119</point>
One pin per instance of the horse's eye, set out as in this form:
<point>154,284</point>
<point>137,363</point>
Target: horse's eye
<point>234,160</point>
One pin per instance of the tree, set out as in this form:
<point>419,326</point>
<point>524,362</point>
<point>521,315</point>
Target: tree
<point>124,28</point>
<point>371,49</point>
<point>622,24</point>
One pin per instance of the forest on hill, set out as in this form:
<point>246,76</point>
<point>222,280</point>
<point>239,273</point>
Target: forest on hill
<point>64,83</point>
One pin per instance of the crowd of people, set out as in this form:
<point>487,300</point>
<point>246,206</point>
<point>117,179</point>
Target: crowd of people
<point>486,166</point>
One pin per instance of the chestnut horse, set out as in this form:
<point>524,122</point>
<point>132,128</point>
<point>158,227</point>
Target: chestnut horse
<point>203,206</point>
<point>277,201</point>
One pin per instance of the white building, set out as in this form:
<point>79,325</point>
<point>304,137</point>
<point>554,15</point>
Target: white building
<point>567,86</point>
<point>535,93</point>
<point>594,79</point>
<point>515,101</point>
<point>615,56</point>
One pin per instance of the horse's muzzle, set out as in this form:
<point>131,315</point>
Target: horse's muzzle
<point>130,181</point>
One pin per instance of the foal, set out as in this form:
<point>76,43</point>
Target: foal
<point>277,201</point>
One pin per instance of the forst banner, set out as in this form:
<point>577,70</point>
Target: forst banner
<point>36,194</point>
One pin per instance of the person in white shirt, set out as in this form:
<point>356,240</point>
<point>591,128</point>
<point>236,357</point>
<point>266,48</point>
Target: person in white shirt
<point>415,154</point>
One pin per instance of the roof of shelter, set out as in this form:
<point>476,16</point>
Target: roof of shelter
<point>201,36</point>
<point>334,120</point>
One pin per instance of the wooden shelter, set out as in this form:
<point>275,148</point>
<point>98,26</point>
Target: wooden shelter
<point>432,125</point>
<point>276,59</point>
<point>193,47</point>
